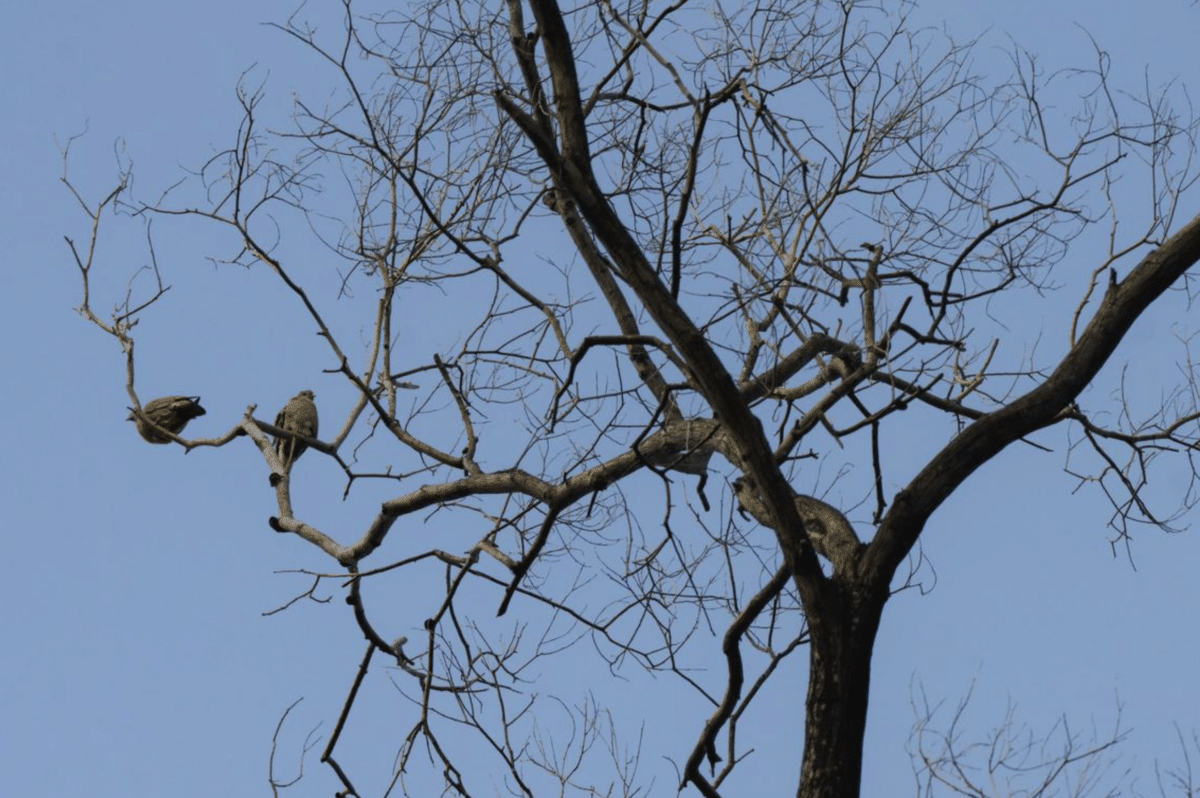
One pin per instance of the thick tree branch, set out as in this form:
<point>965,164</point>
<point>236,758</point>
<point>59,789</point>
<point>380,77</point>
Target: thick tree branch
<point>1122,305</point>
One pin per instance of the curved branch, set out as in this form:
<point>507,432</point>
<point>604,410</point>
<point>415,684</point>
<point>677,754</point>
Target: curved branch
<point>1123,303</point>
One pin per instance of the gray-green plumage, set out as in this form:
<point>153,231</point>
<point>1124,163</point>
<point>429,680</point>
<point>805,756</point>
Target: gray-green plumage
<point>169,412</point>
<point>299,415</point>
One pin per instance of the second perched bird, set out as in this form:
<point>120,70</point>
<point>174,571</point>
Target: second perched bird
<point>169,412</point>
<point>299,415</point>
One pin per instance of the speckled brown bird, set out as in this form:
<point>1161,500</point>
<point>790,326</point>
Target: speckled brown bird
<point>299,415</point>
<point>169,412</point>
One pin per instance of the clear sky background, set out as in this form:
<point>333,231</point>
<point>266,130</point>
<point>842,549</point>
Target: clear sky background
<point>137,659</point>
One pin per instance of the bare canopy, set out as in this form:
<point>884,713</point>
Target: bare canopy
<point>677,279</point>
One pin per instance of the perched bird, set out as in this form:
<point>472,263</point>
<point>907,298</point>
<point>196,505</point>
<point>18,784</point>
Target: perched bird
<point>171,413</point>
<point>299,415</point>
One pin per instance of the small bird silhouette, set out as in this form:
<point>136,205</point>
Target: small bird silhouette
<point>169,412</point>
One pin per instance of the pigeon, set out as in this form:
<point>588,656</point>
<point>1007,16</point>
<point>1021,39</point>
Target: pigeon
<point>299,415</point>
<point>169,412</point>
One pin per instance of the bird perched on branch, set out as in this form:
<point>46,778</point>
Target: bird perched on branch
<point>172,413</point>
<point>299,415</point>
<point>825,527</point>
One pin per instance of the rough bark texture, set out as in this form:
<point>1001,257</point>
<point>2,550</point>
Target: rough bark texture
<point>838,686</point>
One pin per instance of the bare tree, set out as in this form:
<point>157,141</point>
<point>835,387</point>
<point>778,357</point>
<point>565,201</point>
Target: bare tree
<point>669,232</point>
<point>1014,759</point>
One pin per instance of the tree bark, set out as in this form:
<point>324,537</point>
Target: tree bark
<point>838,686</point>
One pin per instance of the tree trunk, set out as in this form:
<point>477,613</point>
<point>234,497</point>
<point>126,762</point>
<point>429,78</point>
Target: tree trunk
<point>838,683</point>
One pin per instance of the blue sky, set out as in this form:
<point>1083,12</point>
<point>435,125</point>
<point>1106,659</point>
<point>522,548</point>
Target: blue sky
<point>138,660</point>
